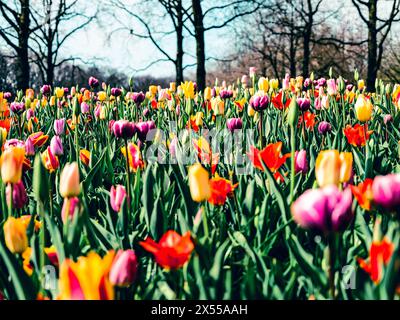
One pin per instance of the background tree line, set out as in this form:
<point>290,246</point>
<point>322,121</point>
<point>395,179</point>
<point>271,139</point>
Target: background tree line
<point>276,36</point>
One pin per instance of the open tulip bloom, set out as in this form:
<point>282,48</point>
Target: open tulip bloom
<point>262,188</point>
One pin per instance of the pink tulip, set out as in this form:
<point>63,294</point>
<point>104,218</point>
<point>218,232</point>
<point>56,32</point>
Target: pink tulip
<point>332,87</point>
<point>69,208</point>
<point>19,196</point>
<point>301,164</point>
<point>325,210</point>
<point>386,191</point>
<point>117,197</point>
<point>124,268</point>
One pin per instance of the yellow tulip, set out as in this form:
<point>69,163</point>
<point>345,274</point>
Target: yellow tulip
<point>250,111</point>
<point>3,136</point>
<point>361,84</point>
<point>172,86</point>
<point>263,84</point>
<point>346,165</point>
<point>11,162</point>
<point>69,181</point>
<point>15,235</point>
<point>218,106</point>
<point>153,90</point>
<point>188,89</point>
<point>333,167</point>
<point>59,92</point>
<point>363,108</point>
<point>199,183</point>
<point>207,94</point>
<point>102,95</point>
<point>199,119</point>
<point>274,83</point>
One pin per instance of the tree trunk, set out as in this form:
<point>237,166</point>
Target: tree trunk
<point>22,72</point>
<point>200,46</point>
<point>179,44</point>
<point>49,59</point>
<point>372,47</point>
<point>292,55</point>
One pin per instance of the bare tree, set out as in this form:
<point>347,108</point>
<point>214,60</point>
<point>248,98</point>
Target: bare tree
<point>52,35</point>
<point>378,31</point>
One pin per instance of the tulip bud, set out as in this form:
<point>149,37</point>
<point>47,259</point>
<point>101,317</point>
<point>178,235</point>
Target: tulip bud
<point>124,129</point>
<point>40,180</point>
<point>356,75</point>
<point>199,183</point>
<point>56,146</point>
<point>293,114</point>
<point>324,127</point>
<point>234,124</point>
<point>69,181</point>
<point>301,164</point>
<point>59,126</point>
<point>124,268</point>
<point>15,235</point>
<point>19,196</point>
<point>117,197</point>
<point>11,162</point>
<point>69,209</point>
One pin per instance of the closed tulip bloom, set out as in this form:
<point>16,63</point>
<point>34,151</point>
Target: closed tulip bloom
<point>30,113</point>
<point>85,108</point>
<point>117,197</point>
<point>116,92</point>
<point>143,129</point>
<point>386,191</point>
<point>59,126</point>
<point>15,235</point>
<point>327,168</point>
<point>331,87</point>
<point>361,84</point>
<point>286,82</point>
<point>252,71</point>
<point>124,268</point>
<point>45,90</point>
<point>226,94</point>
<point>56,146</point>
<point>346,166</point>
<point>199,183</point>
<point>263,84</point>
<point>69,181</point>
<point>259,102</point>
<point>274,83</point>
<point>19,196</point>
<point>387,118</point>
<point>301,163</point>
<point>234,124</point>
<point>69,209</point>
<point>101,95</point>
<point>93,82</point>
<point>124,129</point>
<point>304,104</point>
<point>218,106</point>
<point>138,97</point>
<point>207,94</point>
<point>11,162</point>
<point>59,92</point>
<point>50,160</point>
<point>29,147</point>
<point>17,107</point>
<point>324,127</point>
<point>325,210</point>
<point>363,108</point>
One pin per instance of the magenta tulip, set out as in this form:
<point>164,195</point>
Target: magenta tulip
<point>117,197</point>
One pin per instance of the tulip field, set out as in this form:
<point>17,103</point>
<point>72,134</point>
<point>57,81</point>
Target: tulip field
<point>259,189</point>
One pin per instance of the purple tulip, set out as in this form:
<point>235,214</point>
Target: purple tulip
<point>300,163</point>
<point>46,90</point>
<point>7,95</point>
<point>304,104</point>
<point>324,127</point>
<point>307,83</point>
<point>17,107</point>
<point>29,147</point>
<point>172,146</point>
<point>138,97</point>
<point>85,107</point>
<point>234,124</point>
<point>349,87</point>
<point>93,82</point>
<point>56,146</point>
<point>325,210</point>
<point>145,112</point>
<point>117,196</point>
<point>124,268</point>
<point>143,129</point>
<point>59,126</point>
<point>213,92</point>
<point>387,118</point>
<point>259,103</point>
<point>14,143</point>
<point>226,94</point>
<point>124,129</point>
<point>116,92</point>
<point>386,191</point>
<point>19,196</point>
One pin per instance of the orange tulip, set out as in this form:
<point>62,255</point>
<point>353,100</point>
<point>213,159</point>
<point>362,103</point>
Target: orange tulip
<point>172,251</point>
<point>15,235</point>
<point>84,155</point>
<point>50,161</point>
<point>270,155</point>
<point>11,163</point>
<point>220,189</point>
<point>38,138</point>
<point>363,193</point>
<point>134,156</point>
<point>357,135</point>
<point>380,254</point>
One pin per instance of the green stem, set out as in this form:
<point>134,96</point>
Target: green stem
<point>292,169</point>
<point>205,225</point>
